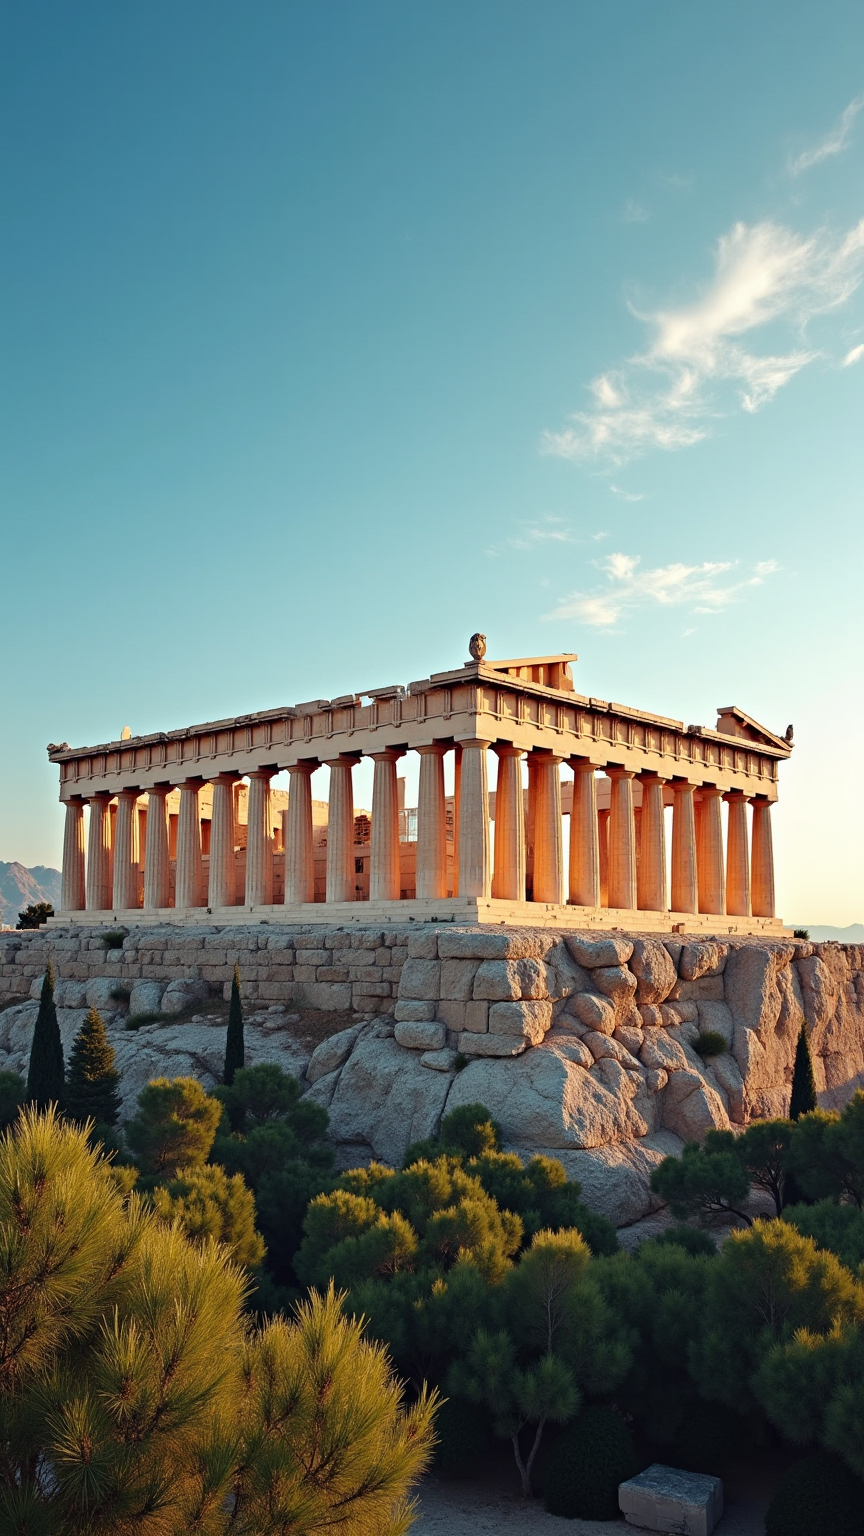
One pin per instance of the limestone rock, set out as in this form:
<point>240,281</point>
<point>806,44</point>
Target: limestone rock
<point>420,979</point>
<point>673,1014</point>
<point>439,1061</point>
<point>665,1499</point>
<point>413,1012</point>
<point>606,1045</point>
<point>457,979</point>
<point>615,1179</point>
<point>631,1038</point>
<point>612,949</point>
<point>655,973</point>
<point>651,1016</point>
<point>567,977</point>
<point>182,994</point>
<point>573,1049</point>
<point>70,994</point>
<point>615,982</point>
<point>536,980</point>
<point>595,1011</point>
<point>421,1037</point>
<point>146,996</point>
<point>98,994</point>
<point>516,944</point>
<point>704,988</point>
<point>705,959</point>
<point>729,1079</point>
<point>385,1099</point>
<point>491,1045</point>
<point>530,1020</point>
<point>691,1108</point>
<point>497,981</point>
<point>659,1050</point>
<point>716,1017</point>
<point>656,1080</point>
<point>331,1053</point>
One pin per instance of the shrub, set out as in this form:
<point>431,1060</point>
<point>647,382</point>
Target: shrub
<point>464,1435</point>
<point>235,1050</point>
<point>586,1463</point>
<point>817,1495</point>
<point>803,1098</point>
<point>691,1239</point>
<point>708,1435</point>
<point>135,1020</point>
<point>174,1127</point>
<point>120,994</point>
<point>710,1043</point>
<point>801,933</point>
<point>113,939</point>
<point>13,1093</point>
<point>45,1075</point>
<point>35,915</point>
<point>209,1203</point>
<point>91,1077</point>
<point>838,1228</point>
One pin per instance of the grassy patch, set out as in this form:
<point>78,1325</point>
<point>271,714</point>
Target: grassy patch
<point>711,1043</point>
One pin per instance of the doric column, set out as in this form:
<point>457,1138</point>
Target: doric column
<point>457,787</point>
<point>530,825</point>
<point>189,877</point>
<point>474,820</point>
<point>222,885</point>
<point>508,878</point>
<point>340,831</point>
<point>622,840</point>
<point>603,855</point>
<point>584,876</point>
<point>299,858</point>
<point>157,868</point>
<point>127,854</point>
<point>431,877</point>
<point>548,845</point>
<point>384,872</point>
<point>98,877</point>
<point>259,840</point>
<point>651,877</point>
<point>72,882</point>
<point>737,856</point>
<point>684,884</point>
<point>711,871</point>
<point>762,860</point>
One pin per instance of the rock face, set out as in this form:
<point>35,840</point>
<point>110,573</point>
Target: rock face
<point>579,1045</point>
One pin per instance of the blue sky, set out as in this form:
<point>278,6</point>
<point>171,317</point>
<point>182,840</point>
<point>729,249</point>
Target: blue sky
<point>334,332</point>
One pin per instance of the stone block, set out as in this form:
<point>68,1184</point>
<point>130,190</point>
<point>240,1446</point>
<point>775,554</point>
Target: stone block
<point>420,979</point>
<point>614,981</point>
<point>301,972</point>
<point>414,1013</point>
<point>677,1013</point>
<point>655,973</point>
<point>416,1036</point>
<point>382,956</point>
<point>464,1015</point>
<point>312,957</point>
<point>611,949</point>
<point>457,979</point>
<point>497,981</point>
<point>708,989</point>
<point>490,1045</point>
<point>705,959</point>
<point>364,973</point>
<point>529,1019</point>
<point>331,996</point>
<point>146,997</point>
<point>331,1053</point>
<point>182,994</point>
<point>423,945</point>
<point>482,946</point>
<point>370,989</point>
<point>595,1011</point>
<point>439,1061</point>
<point>651,1015</point>
<point>333,973</point>
<point>665,1499</point>
<point>716,1017</point>
<point>535,977</point>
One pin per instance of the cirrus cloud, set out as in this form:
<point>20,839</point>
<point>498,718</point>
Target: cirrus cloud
<point>706,588</point>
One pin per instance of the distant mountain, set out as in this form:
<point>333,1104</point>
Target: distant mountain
<point>20,888</point>
<point>854,934</point>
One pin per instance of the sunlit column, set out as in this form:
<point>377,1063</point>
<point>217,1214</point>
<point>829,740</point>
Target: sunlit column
<point>189,877</point>
<point>299,857</point>
<point>622,840</point>
<point>710,864</point>
<point>548,845</point>
<point>157,868</point>
<point>684,883</point>
<point>603,855</point>
<point>72,895</point>
<point>474,821</point>
<point>98,875</point>
<point>762,860</point>
<point>737,856</point>
<point>431,876</point>
<point>259,840</point>
<point>340,831</point>
<point>584,877</point>
<point>508,878</point>
<point>222,886</point>
<point>127,853</point>
<point>651,876</point>
<point>384,872</point>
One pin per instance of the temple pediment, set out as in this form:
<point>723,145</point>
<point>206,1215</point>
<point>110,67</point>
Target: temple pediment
<point>732,721</point>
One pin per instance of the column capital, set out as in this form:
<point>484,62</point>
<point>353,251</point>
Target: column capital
<point>387,755</point>
<point>582,764</point>
<point>472,741</point>
<point>543,755</point>
<point>507,749</point>
<point>129,792</point>
<point>344,760</point>
<point>709,790</point>
<point>264,774</point>
<point>681,786</point>
<point>648,776</point>
<point>432,749</point>
<point>228,777</point>
<point>194,781</point>
<point>306,767</point>
<point>100,795</point>
<point>617,771</point>
<point>733,796</point>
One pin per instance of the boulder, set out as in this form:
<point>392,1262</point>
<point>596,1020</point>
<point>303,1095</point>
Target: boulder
<point>631,1038</point>
<point>601,1046</point>
<point>611,949</point>
<point>71,994</point>
<point>471,1044</point>
<point>716,1017</point>
<point>655,973</point>
<point>146,996</point>
<point>615,982</point>
<point>705,959</point>
<point>595,1011</point>
<point>651,1015</point>
<point>184,994</point>
<point>413,1012</point>
<point>386,1099</point>
<point>439,1061</point>
<point>665,1499</point>
<point>616,1179</point>
<point>659,1050</point>
<point>529,1020</point>
<point>331,1053</point>
<point>98,994</point>
<point>673,1014</point>
<point>421,1037</point>
<point>691,1107</point>
<point>535,978</point>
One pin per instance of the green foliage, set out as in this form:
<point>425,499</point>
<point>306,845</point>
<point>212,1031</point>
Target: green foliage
<point>13,1093</point>
<point>33,916</point>
<point>801,933</point>
<point>208,1203</point>
<point>812,1388</point>
<point>113,939</point>
<point>839,1228</point>
<point>710,1043</point>
<point>464,1436</point>
<point>803,1099</point>
<point>586,1463</point>
<point>174,1127</point>
<point>136,1020</point>
<point>91,1077</point>
<point>827,1153</point>
<point>691,1239</point>
<point>708,1435</point>
<point>702,1182</point>
<point>134,1401</point>
<point>817,1495</point>
<point>45,1075</point>
<point>468,1131</point>
<point>235,1050</point>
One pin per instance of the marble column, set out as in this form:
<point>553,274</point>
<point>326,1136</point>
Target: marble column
<point>548,832</point>
<point>684,882</point>
<point>157,867</point>
<point>259,840</point>
<point>474,821</point>
<point>651,876</point>
<point>584,876</point>
<point>431,877</point>
<point>385,878</point>
<point>508,878</point>
<point>710,864</point>
<point>737,856</point>
<point>457,787</point>
<point>603,855</point>
<point>72,895</point>
<point>222,884</point>
<point>762,860</point>
<point>299,857</point>
<point>127,853</point>
<point>189,878</point>
<point>340,831</point>
<point>98,876</point>
<point>622,841</point>
<point>530,826</point>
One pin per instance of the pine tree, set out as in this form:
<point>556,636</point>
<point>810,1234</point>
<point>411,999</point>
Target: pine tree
<point>91,1078</point>
<point>803,1098</point>
<point>235,1053</point>
<point>45,1074</point>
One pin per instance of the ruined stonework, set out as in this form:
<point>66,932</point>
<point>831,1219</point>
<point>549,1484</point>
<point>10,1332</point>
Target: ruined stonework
<point>580,1044</point>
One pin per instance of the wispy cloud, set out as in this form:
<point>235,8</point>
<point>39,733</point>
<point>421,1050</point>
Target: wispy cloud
<point>854,355</point>
<point>633,212</point>
<point>667,395</point>
<point>706,588</point>
<point>833,143</point>
<point>627,495</point>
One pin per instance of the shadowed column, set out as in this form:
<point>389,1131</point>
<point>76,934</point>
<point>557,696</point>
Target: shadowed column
<point>651,874</point>
<point>189,878</point>
<point>584,878</point>
<point>603,852</point>
<point>384,872</point>
<point>508,878</point>
<point>127,853</point>
<point>98,875</point>
<point>72,881</point>
<point>157,868</point>
<point>622,840</point>
<point>259,840</point>
<point>737,856</point>
<point>548,844</point>
<point>711,870</point>
<point>684,885</point>
<point>222,885</point>
<point>299,858</point>
<point>474,821</point>
<point>340,831</point>
<point>431,876</point>
<point>762,860</point>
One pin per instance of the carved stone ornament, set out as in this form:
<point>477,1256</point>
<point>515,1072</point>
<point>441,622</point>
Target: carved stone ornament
<point>477,647</point>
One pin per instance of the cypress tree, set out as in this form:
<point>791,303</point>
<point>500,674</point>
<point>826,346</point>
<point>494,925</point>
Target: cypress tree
<point>45,1073</point>
<point>91,1078</point>
<point>235,1053</point>
<point>803,1083</point>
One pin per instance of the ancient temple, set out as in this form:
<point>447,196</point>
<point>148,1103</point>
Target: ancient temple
<point>185,826</point>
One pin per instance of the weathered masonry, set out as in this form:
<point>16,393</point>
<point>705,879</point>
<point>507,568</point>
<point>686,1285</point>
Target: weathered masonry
<point>496,858</point>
